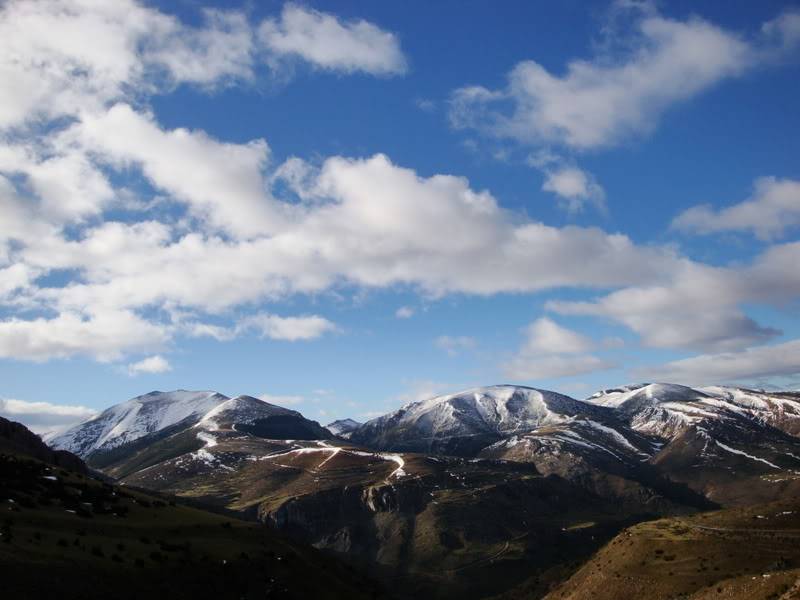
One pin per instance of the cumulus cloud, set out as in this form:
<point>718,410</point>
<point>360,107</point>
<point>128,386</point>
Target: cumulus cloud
<point>234,235</point>
<point>454,345</point>
<point>606,99</point>
<point>551,351</point>
<point>773,209</point>
<point>288,328</point>
<point>574,186</point>
<point>546,336</point>
<point>372,224</point>
<point>700,307</point>
<point>105,50</point>
<point>104,336</point>
<point>330,43</point>
<point>743,365</point>
<point>44,417</point>
<point>378,224</point>
<point>222,183</point>
<point>151,364</point>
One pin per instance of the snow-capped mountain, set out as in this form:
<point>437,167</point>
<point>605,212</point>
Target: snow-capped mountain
<point>153,416</point>
<point>715,438</point>
<point>665,410</point>
<point>580,436</point>
<point>244,410</point>
<point>343,427</point>
<point>779,409</point>
<point>711,439</point>
<point>138,417</point>
<point>465,422</point>
<point>246,414</point>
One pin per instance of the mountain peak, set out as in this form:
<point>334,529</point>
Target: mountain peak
<point>459,422</point>
<point>342,427</point>
<point>135,418</point>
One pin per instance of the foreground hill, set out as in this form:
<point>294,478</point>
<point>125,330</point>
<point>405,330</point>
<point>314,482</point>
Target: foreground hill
<point>748,553</point>
<point>68,535</point>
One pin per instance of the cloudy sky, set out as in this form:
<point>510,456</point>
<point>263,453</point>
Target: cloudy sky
<point>342,206</point>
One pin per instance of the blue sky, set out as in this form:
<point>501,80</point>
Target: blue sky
<point>344,206</point>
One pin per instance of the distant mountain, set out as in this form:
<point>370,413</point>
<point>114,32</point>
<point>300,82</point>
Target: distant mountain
<point>342,427</point>
<point>664,409</point>
<point>464,423</point>
<point>134,433</point>
<point>716,438</point>
<point>710,439</point>
<point>138,417</point>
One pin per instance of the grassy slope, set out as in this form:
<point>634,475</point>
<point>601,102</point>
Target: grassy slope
<point>75,537</point>
<point>740,553</point>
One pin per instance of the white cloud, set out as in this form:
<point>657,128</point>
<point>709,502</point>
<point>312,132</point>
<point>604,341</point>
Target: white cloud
<point>614,95</point>
<point>773,209</point>
<point>15,277</point>
<point>104,336</point>
<point>70,187</point>
<point>222,183</point>
<point>404,312</point>
<point>551,351</point>
<point>107,51</point>
<point>377,225</point>
<point>151,364</point>
<point>575,186</point>
<point>282,400</point>
<point>454,345</point>
<point>748,364</point>
<point>44,417</point>
<point>546,336</point>
<point>103,50</point>
<point>370,223</point>
<point>230,240</point>
<point>700,307</point>
<point>330,43</point>
<point>288,328</point>
<point>219,52</point>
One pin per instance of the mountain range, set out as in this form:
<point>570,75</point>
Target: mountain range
<point>436,495</point>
